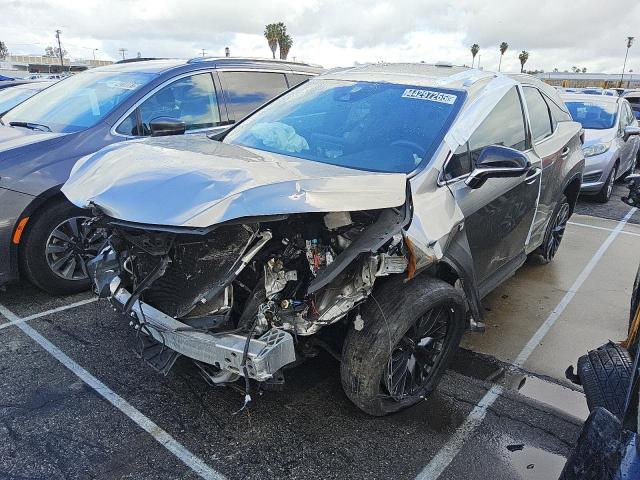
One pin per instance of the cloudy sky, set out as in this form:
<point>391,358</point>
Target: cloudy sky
<point>558,34</point>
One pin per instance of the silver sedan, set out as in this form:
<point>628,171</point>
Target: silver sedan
<point>610,140</point>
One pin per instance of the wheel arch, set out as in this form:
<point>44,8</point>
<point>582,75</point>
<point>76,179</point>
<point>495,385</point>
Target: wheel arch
<point>33,209</point>
<point>572,191</point>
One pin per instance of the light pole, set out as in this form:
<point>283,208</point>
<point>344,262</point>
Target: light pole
<point>94,53</point>
<point>204,53</point>
<point>58,32</point>
<point>624,66</point>
<point>122,51</point>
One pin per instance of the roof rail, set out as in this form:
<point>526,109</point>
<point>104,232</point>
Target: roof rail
<point>250,59</point>
<point>138,59</point>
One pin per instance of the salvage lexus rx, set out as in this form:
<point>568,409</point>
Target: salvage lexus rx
<point>383,199</point>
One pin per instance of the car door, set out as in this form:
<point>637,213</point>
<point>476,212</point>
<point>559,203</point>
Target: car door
<point>191,98</point>
<point>246,90</point>
<point>498,215</point>
<point>630,148</point>
<point>552,143</point>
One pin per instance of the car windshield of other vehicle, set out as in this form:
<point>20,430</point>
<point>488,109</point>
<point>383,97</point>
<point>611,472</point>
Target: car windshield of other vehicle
<point>371,126</point>
<point>10,97</point>
<point>595,116</point>
<point>78,102</point>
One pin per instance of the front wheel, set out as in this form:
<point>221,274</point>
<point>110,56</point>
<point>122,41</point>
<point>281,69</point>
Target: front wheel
<point>411,331</point>
<point>56,246</point>
<point>604,195</point>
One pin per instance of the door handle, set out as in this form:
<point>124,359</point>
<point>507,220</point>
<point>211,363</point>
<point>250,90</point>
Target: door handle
<point>565,152</point>
<point>532,174</point>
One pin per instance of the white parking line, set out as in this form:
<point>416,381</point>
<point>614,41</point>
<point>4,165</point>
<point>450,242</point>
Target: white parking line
<point>445,456</point>
<point>47,312</point>
<point>166,440</point>
<point>602,228</point>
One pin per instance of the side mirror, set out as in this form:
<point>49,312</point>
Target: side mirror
<point>163,126</point>
<point>497,161</point>
<point>630,131</point>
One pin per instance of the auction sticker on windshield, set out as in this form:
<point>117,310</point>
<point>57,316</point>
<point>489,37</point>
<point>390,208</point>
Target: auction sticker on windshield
<point>429,95</point>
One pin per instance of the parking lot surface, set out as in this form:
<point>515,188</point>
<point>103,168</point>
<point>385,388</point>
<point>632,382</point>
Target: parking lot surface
<point>76,402</point>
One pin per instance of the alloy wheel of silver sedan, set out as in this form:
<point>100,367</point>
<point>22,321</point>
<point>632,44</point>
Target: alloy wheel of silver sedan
<point>70,245</point>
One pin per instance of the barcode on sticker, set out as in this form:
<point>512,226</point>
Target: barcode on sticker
<point>429,95</point>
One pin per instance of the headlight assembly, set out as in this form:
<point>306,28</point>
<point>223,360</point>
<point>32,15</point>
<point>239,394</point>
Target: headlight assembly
<point>596,149</point>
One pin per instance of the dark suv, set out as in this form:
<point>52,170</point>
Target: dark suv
<point>41,235</point>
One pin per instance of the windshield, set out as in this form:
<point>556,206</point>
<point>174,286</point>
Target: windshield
<point>10,97</point>
<point>78,102</point>
<point>594,116</point>
<point>379,127</point>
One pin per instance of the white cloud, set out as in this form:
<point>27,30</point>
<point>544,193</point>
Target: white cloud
<point>585,33</point>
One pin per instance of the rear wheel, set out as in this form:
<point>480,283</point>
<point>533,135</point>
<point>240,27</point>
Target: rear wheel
<point>553,236</point>
<point>56,246</point>
<point>411,331</point>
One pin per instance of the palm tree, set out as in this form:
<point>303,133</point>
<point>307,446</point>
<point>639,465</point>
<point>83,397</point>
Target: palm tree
<point>272,33</point>
<point>475,48</point>
<point>524,56</point>
<point>503,48</point>
<point>285,45</point>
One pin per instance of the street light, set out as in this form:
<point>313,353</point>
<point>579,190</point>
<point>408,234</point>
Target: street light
<point>94,53</point>
<point>629,43</point>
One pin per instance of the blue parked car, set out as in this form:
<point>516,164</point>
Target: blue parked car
<point>42,236</point>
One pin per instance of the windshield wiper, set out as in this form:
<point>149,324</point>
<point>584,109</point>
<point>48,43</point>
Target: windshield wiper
<point>30,125</point>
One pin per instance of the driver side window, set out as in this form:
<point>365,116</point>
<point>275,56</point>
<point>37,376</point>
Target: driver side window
<point>503,126</point>
<point>191,99</point>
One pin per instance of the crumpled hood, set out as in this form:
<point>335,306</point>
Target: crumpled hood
<point>193,181</point>
<point>592,136</point>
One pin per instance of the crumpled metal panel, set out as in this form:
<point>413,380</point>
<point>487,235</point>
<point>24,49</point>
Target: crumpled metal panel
<point>435,214</point>
<point>193,181</point>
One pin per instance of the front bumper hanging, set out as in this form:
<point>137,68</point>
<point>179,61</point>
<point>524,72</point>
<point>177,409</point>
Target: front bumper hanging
<point>266,354</point>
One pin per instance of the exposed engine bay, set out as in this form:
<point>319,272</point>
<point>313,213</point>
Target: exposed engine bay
<point>239,298</point>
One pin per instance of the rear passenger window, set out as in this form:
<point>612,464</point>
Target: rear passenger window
<point>297,79</point>
<point>538,114</point>
<point>246,91</point>
<point>503,126</point>
<point>557,113</point>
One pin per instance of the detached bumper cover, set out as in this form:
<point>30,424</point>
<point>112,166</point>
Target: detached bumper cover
<point>266,355</point>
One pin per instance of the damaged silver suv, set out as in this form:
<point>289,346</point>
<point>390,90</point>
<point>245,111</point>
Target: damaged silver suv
<point>383,199</point>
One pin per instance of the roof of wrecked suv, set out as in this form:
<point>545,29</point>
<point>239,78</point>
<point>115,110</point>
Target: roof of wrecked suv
<point>420,74</point>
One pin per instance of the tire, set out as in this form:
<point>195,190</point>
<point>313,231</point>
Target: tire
<point>392,314</point>
<point>604,195</point>
<point>635,299</point>
<point>553,235</point>
<point>37,264</point>
<point>605,374</point>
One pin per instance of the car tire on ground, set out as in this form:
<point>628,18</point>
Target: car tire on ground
<point>605,374</point>
<point>43,247</point>
<point>604,195</point>
<point>410,333</point>
<point>553,235</point>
